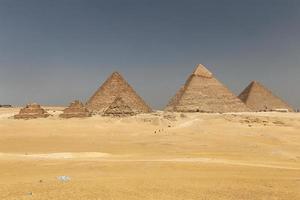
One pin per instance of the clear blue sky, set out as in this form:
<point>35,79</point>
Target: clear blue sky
<point>55,51</point>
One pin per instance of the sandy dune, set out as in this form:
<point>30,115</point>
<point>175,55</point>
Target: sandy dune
<point>152,156</point>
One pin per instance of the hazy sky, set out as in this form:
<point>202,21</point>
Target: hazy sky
<point>55,51</point>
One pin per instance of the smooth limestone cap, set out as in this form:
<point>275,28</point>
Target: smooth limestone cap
<point>200,70</point>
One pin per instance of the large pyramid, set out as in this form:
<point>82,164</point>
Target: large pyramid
<point>202,92</point>
<point>259,98</point>
<point>116,86</point>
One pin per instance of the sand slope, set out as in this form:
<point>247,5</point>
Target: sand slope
<point>151,156</point>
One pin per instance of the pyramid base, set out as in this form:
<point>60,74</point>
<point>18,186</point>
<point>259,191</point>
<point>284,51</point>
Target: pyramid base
<point>118,115</point>
<point>75,115</point>
<point>31,116</point>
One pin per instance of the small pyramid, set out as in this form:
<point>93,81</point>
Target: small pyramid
<point>202,92</point>
<point>116,86</point>
<point>76,109</point>
<point>32,111</point>
<point>259,98</point>
<point>118,108</point>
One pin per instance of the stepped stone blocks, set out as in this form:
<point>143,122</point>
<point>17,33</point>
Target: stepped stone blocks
<point>259,98</point>
<point>202,92</point>
<point>175,99</point>
<point>118,108</point>
<point>32,111</point>
<point>116,86</point>
<point>76,109</point>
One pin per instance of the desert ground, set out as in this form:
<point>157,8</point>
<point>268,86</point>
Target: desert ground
<point>157,156</point>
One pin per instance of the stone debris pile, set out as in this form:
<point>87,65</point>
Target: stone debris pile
<point>118,108</point>
<point>76,109</point>
<point>32,111</point>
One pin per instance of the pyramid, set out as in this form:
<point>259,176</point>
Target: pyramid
<point>118,108</point>
<point>259,98</point>
<point>116,86</point>
<point>202,92</point>
<point>32,111</point>
<point>76,109</point>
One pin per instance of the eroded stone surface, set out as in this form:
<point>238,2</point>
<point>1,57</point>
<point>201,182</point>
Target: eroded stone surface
<point>119,108</point>
<point>76,109</point>
<point>32,111</point>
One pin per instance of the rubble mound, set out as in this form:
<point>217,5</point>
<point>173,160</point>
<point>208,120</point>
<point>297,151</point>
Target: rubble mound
<point>76,109</point>
<point>32,111</point>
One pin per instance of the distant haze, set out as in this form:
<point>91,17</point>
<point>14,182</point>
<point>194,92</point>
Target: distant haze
<point>55,51</point>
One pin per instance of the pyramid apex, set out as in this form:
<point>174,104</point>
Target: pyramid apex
<point>256,84</point>
<point>201,70</point>
<point>116,73</point>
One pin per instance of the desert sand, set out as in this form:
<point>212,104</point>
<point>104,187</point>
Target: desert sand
<point>157,156</point>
